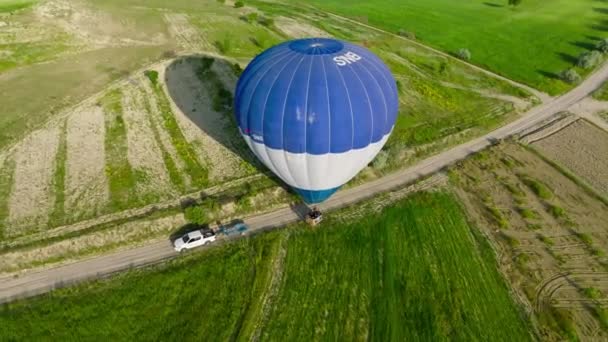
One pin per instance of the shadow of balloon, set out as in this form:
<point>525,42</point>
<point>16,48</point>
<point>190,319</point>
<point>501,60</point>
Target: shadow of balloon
<point>202,87</point>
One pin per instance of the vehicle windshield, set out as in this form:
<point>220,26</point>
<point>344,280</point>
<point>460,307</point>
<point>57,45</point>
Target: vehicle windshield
<point>185,239</point>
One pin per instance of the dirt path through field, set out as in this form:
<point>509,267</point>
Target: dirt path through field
<point>31,198</point>
<point>590,109</point>
<point>86,183</point>
<point>143,152</point>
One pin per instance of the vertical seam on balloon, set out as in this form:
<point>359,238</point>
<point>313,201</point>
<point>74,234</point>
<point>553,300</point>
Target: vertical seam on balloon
<point>306,120</point>
<point>369,103</point>
<point>328,118</point>
<point>254,72</point>
<point>260,65</point>
<point>350,104</point>
<point>264,110</point>
<point>256,85</point>
<point>382,70</point>
<point>383,98</point>
<point>283,119</point>
<point>328,105</point>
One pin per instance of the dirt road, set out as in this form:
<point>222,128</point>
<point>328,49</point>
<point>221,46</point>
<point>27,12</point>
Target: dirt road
<point>40,281</point>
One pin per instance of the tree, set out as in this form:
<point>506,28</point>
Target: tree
<point>589,59</point>
<point>602,45</point>
<point>514,3</point>
<point>570,76</point>
<point>239,4</point>
<point>464,54</point>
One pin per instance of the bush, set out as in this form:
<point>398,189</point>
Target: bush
<point>221,1</point>
<point>152,75</point>
<point>224,45</point>
<point>265,21</point>
<point>589,59</point>
<point>602,45</point>
<point>196,215</point>
<point>381,160</point>
<point>406,34</point>
<point>570,76</point>
<point>239,4</point>
<point>251,17</point>
<point>464,54</point>
<point>514,2</point>
<point>236,68</point>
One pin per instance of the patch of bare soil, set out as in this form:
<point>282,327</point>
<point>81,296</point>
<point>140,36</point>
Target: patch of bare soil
<point>547,242</point>
<point>86,183</point>
<point>203,127</point>
<point>31,198</point>
<point>186,35</point>
<point>582,148</point>
<point>72,249</point>
<point>298,29</point>
<point>94,27</point>
<point>143,152</point>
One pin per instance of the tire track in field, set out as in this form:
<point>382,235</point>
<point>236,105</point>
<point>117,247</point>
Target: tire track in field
<point>272,292</point>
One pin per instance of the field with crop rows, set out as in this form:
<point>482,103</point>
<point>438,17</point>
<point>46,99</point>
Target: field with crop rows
<point>414,271</point>
<point>549,232</point>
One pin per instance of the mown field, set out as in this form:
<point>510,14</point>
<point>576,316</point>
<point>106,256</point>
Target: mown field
<point>531,43</point>
<point>415,271</point>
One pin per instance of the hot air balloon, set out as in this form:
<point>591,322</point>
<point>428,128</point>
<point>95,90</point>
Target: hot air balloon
<point>316,111</point>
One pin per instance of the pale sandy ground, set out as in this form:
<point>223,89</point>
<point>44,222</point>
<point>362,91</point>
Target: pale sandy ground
<point>86,183</point>
<point>143,151</point>
<point>95,28</point>
<point>31,198</point>
<point>582,148</point>
<point>165,138</point>
<point>186,35</point>
<point>192,96</point>
<point>298,29</point>
<point>122,234</point>
<point>589,109</point>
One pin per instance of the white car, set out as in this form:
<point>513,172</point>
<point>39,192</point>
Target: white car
<point>194,239</point>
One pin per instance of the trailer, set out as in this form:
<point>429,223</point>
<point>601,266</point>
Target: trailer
<point>233,228</point>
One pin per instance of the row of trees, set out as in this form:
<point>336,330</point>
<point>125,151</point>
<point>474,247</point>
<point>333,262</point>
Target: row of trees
<point>586,60</point>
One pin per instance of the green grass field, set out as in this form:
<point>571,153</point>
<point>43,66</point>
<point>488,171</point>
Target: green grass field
<point>415,271</point>
<point>531,43</point>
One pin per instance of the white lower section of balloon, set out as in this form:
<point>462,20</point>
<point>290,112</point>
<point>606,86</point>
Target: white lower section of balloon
<point>315,172</point>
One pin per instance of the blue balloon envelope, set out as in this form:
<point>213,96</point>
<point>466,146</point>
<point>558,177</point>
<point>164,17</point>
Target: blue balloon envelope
<point>316,112</point>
